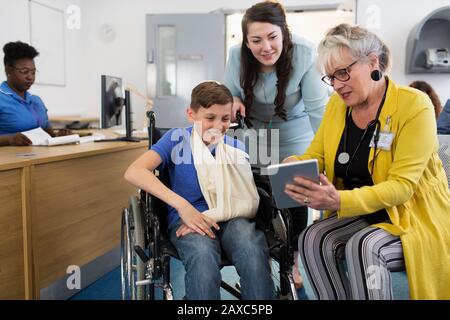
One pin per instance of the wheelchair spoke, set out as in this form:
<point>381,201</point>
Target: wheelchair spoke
<point>126,256</point>
<point>123,254</point>
<point>133,233</point>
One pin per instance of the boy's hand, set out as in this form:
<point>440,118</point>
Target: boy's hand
<point>198,222</point>
<point>183,230</point>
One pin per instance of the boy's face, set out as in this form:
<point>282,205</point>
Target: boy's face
<point>213,121</point>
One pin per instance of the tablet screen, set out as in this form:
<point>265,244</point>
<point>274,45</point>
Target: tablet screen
<point>281,174</point>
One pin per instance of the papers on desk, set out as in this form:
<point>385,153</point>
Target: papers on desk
<point>122,132</point>
<point>39,137</point>
<point>94,137</point>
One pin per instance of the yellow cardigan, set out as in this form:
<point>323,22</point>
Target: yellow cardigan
<point>409,182</point>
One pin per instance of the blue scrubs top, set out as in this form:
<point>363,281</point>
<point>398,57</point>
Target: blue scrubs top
<point>18,114</point>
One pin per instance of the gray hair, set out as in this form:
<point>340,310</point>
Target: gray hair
<point>361,42</point>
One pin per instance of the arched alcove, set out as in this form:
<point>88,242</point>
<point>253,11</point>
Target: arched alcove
<point>431,32</point>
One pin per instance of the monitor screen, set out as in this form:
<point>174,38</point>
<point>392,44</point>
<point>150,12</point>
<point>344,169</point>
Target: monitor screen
<point>112,101</point>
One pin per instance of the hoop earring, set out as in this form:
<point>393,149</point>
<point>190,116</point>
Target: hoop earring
<point>376,75</point>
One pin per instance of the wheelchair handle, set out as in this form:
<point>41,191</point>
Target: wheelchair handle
<point>239,120</point>
<point>150,115</point>
<point>151,126</point>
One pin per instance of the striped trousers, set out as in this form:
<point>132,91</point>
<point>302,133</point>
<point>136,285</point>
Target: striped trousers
<point>370,255</point>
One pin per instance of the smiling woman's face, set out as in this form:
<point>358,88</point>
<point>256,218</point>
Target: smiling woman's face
<point>265,41</point>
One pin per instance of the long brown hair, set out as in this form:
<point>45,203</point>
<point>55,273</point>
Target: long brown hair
<point>270,12</point>
<point>425,87</point>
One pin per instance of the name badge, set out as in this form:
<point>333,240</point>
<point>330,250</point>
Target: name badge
<point>384,140</point>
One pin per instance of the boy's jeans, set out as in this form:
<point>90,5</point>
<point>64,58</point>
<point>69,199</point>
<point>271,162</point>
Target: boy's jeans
<point>245,247</point>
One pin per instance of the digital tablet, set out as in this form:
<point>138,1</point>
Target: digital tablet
<point>281,174</point>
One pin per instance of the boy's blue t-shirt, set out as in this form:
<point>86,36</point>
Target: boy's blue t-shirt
<point>175,151</point>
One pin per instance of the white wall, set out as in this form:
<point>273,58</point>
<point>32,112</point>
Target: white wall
<point>125,55</point>
<point>15,25</point>
<point>87,57</point>
<point>397,19</point>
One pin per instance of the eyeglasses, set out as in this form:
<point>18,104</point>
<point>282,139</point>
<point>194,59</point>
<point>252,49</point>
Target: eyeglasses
<point>26,71</point>
<point>341,74</point>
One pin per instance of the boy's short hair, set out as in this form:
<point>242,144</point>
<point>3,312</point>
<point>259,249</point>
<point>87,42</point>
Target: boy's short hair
<point>207,93</point>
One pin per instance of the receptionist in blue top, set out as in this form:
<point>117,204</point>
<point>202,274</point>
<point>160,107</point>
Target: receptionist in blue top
<point>19,110</point>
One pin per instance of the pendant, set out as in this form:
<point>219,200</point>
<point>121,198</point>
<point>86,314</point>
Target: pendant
<point>343,158</point>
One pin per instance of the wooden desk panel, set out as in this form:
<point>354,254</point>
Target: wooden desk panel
<point>86,224</point>
<point>60,207</point>
<point>12,282</point>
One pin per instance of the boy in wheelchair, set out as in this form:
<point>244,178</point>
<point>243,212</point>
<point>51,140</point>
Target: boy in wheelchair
<point>211,200</point>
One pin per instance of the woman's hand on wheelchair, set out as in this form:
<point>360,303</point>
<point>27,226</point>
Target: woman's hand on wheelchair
<point>238,105</point>
<point>196,221</point>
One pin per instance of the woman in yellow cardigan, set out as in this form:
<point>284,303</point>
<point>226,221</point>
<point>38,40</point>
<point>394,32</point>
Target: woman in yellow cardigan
<point>384,189</point>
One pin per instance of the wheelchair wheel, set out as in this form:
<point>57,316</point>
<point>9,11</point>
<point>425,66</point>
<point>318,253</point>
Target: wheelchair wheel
<point>279,227</point>
<point>132,267</point>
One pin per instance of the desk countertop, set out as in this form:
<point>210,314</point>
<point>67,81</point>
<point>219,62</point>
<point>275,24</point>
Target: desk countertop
<point>73,119</point>
<point>17,157</point>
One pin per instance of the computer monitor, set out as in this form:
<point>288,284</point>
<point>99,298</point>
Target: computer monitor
<point>113,101</point>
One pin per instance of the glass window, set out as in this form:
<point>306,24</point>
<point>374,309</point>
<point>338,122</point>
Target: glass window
<point>167,67</point>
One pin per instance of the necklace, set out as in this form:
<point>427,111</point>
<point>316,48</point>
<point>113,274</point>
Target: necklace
<point>344,156</point>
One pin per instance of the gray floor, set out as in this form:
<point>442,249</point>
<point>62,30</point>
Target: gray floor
<point>108,287</point>
<point>229,275</point>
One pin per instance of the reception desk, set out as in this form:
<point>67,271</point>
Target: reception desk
<point>59,206</point>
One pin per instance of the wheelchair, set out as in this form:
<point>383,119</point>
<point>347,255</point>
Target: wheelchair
<point>146,249</point>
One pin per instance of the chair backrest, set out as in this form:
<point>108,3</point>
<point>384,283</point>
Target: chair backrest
<point>158,206</point>
<point>444,153</point>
